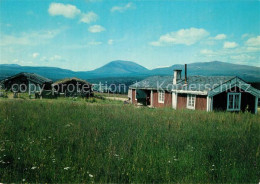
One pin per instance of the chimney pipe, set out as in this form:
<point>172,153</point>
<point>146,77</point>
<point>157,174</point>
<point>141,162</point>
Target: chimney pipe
<point>176,76</point>
<point>185,73</point>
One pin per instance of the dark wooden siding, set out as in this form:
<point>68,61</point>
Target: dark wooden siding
<point>133,97</point>
<point>181,101</point>
<point>167,100</point>
<point>201,102</point>
<point>20,84</point>
<point>247,100</point>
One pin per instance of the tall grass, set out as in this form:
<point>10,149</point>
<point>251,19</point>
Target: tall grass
<point>59,141</point>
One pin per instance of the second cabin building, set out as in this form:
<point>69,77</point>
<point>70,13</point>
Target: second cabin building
<point>72,87</point>
<point>225,93</point>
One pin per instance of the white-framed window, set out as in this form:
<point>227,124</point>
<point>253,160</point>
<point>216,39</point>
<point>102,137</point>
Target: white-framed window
<point>233,101</point>
<point>161,95</point>
<point>191,100</point>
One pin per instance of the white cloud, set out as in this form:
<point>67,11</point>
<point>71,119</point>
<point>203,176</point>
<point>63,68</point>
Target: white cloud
<point>14,40</point>
<point>243,57</point>
<point>245,35</point>
<point>254,42</point>
<point>45,59</point>
<point>96,29</point>
<point>52,58</point>
<point>110,42</point>
<point>229,52</point>
<point>18,61</point>
<point>94,43</point>
<point>220,37</point>
<point>35,55</point>
<point>230,45</point>
<point>206,52</point>
<point>29,38</point>
<point>183,36</point>
<point>122,8</point>
<point>88,17</point>
<point>93,1</point>
<point>253,49</point>
<point>66,10</point>
<point>55,57</point>
<point>156,43</point>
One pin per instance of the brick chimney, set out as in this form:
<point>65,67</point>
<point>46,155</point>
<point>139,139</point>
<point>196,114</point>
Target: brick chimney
<point>176,76</point>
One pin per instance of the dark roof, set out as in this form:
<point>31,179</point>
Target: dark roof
<point>66,80</point>
<point>33,77</point>
<point>151,82</point>
<point>194,83</point>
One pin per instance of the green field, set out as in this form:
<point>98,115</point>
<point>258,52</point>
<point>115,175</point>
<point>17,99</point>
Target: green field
<point>78,141</point>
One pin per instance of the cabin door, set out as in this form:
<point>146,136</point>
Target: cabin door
<point>148,98</point>
<point>144,97</point>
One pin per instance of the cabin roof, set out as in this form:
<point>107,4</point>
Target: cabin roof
<point>196,83</point>
<point>151,82</point>
<point>66,80</point>
<point>210,85</point>
<point>33,77</point>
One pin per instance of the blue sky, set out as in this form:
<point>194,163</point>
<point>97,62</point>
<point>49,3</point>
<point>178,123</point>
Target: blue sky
<point>86,34</point>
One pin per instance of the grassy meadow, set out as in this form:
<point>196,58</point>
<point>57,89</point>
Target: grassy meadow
<point>112,95</point>
<point>79,141</point>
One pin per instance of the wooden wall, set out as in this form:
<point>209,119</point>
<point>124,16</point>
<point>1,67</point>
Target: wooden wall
<point>219,101</point>
<point>200,104</point>
<point>133,97</point>
<point>247,100</point>
<point>167,100</point>
<point>182,101</point>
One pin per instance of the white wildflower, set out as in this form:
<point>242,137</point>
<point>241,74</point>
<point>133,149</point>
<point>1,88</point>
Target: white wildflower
<point>33,167</point>
<point>68,125</point>
<point>90,175</point>
<point>66,168</point>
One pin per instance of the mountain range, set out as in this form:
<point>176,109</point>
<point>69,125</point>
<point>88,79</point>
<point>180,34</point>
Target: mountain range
<point>131,69</point>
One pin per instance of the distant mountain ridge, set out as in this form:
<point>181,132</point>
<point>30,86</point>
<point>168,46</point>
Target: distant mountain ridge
<point>216,68</point>
<point>121,68</point>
